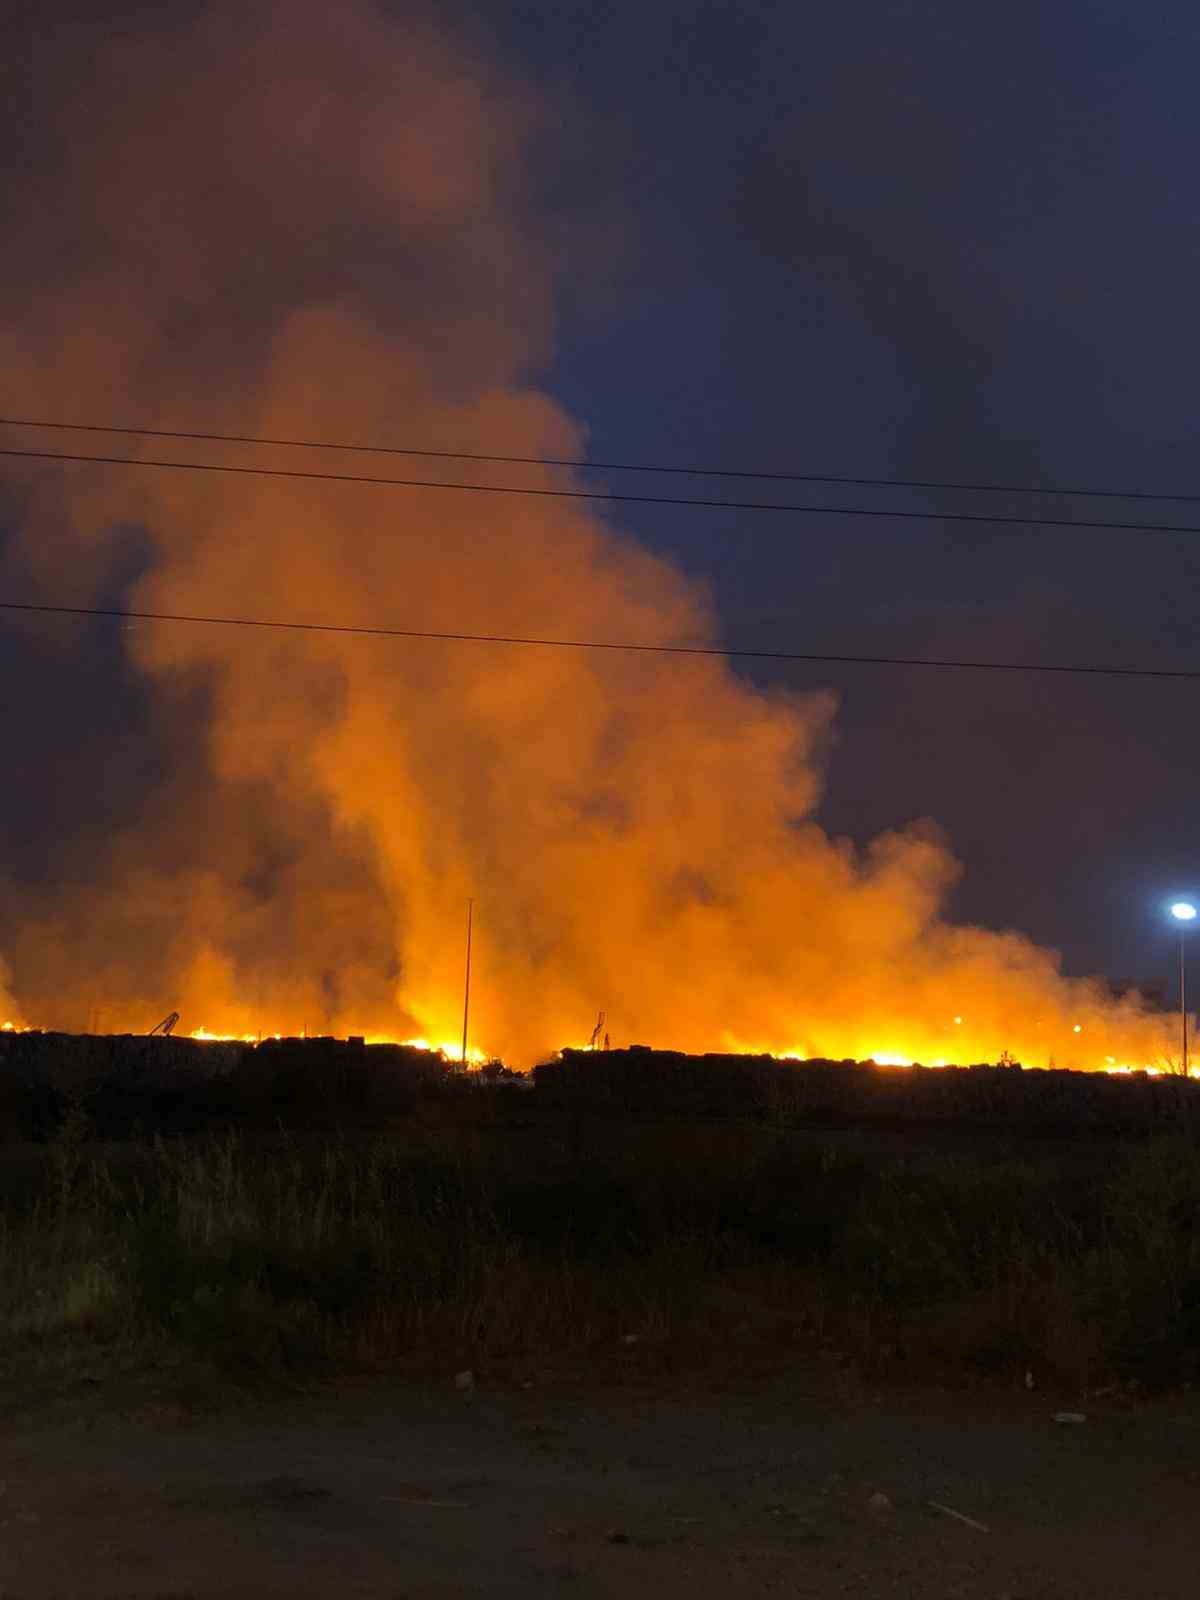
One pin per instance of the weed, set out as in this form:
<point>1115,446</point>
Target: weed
<point>480,1244</point>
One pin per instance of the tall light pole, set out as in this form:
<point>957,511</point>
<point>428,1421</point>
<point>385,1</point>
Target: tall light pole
<point>1184,912</point>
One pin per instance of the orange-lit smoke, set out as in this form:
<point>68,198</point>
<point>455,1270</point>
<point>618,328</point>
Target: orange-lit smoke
<point>10,1014</point>
<point>318,222</point>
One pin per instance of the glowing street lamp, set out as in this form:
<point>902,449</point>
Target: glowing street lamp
<point>1184,912</point>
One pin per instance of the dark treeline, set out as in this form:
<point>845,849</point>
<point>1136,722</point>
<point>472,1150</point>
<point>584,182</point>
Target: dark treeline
<point>651,1083</point>
<point>129,1084</point>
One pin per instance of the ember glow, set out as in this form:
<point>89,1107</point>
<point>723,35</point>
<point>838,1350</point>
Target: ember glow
<point>445,1048</point>
<point>476,1058</point>
<point>638,833</point>
<point>451,1051</point>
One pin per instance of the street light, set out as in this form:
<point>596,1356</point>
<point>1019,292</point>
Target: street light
<point>1184,912</point>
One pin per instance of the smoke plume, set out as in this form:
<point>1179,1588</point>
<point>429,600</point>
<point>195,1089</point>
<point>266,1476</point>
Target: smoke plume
<point>332,223</point>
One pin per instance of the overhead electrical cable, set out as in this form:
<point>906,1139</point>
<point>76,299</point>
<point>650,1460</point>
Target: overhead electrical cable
<point>582,465</point>
<point>602,495</point>
<point>728,652</point>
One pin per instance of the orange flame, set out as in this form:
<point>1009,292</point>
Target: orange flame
<point>639,832</point>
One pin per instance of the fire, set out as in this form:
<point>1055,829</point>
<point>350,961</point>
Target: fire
<point>962,1039</point>
<point>476,1057</point>
<point>638,832</point>
<point>451,1051</point>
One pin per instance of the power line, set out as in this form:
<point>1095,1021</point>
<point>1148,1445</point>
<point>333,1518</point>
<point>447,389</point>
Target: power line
<point>596,494</point>
<point>725,652</point>
<point>600,466</point>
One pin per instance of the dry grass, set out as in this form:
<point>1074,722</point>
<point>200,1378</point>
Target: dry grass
<point>669,1249</point>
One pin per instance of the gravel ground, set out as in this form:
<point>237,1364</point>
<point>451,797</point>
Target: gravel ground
<point>415,1494</point>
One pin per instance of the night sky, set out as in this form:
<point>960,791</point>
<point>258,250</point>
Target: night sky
<point>930,241</point>
<point>911,240</point>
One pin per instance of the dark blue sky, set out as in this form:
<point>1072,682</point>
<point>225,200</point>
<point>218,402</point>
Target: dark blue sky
<point>929,240</point>
<point>924,239</point>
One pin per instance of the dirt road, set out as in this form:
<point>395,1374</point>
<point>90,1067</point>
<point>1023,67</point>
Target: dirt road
<point>416,1495</point>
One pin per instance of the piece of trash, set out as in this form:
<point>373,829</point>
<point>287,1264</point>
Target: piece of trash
<point>618,1538</point>
<point>949,1511</point>
<point>1070,1416</point>
<point>464,1382</point>
<point>630,1338</point>
<point>541,1430</point>
<point>419,1500</point>
<point>1029,1383</point>
<point>879,1502</point>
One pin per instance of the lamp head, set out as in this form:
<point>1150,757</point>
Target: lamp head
<point>1183,911</point>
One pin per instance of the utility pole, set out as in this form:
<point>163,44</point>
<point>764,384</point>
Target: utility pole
<point>1184,912</point>
<point>467,988</point>
<point>1183,1002</point>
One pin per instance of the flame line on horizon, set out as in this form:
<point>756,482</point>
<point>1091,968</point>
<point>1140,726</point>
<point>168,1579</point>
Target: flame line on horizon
<point>884,1060</point>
